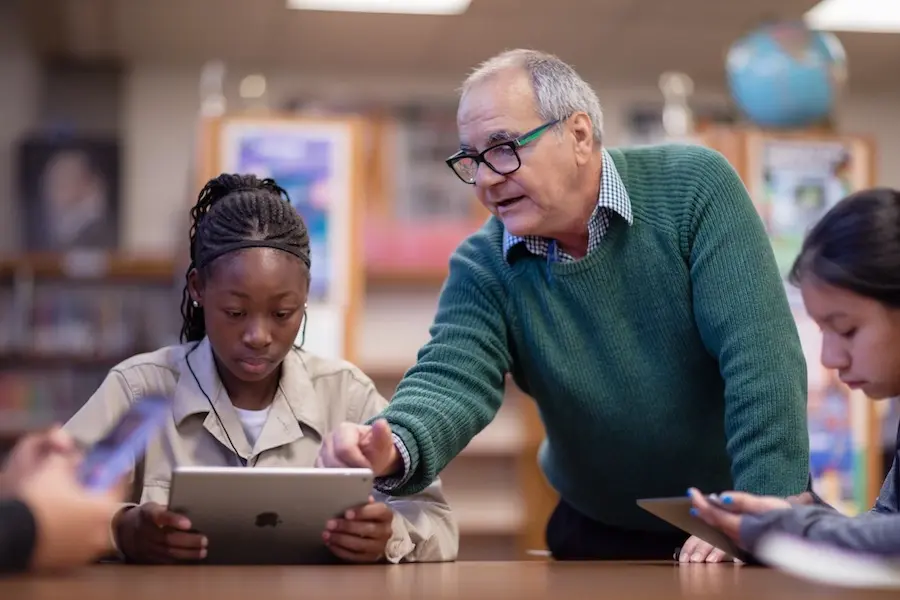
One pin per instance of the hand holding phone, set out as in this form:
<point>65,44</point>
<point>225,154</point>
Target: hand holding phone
<point>73,522</point>
<point>114,455</point>
<point>29,453</point>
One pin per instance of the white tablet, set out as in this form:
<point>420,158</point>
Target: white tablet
<point>677,511</point>
<point>255,515</point>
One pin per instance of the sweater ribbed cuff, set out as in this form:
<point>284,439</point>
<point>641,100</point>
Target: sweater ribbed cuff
<point>390,485</point>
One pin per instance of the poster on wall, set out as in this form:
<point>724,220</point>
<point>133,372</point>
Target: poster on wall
<point>310,161</point>
<point>797,180</point>
<point>313,161</point>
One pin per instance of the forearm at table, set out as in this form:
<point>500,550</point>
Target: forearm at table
<point>877,534</point>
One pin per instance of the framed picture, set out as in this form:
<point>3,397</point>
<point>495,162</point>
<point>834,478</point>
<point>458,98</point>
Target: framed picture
<point>69,193</point>
<point>317,161</point>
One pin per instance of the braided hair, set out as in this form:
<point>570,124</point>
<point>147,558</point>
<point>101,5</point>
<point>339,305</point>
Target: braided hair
<point>234,212</point>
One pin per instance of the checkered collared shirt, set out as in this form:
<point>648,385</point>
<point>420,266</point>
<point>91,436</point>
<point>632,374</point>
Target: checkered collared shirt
<point>613,197</point>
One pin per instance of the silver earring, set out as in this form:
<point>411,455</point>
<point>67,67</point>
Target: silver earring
<point>196,304</point>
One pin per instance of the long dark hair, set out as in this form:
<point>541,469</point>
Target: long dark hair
<point>233,212</point>
<point>856,246</point>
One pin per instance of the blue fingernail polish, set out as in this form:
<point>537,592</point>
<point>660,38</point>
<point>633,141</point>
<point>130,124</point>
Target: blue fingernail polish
<point>693,512</point>
<point>689,492</point>
<point>727,499</point>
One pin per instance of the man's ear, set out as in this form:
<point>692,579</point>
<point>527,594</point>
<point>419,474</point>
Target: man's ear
<point>582,131</point>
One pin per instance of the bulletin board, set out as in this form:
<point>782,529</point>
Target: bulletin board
<point>318,161</point>
<point>793,179</point>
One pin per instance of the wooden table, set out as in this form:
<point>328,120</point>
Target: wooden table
<point>466,580</point>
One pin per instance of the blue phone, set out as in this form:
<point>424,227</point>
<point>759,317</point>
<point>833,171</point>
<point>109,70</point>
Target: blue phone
<point>111,458</point>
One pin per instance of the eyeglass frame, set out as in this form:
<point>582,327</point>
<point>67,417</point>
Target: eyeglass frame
<point>514,144</point>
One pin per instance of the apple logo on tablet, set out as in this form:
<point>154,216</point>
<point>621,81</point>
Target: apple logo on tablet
<point>267,519</point>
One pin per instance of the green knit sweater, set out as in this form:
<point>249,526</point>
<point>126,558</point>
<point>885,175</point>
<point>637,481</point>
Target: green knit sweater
<point>667,358</point>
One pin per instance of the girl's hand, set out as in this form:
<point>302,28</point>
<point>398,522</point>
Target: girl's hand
<point>362,535</point>
<point>727,517</point>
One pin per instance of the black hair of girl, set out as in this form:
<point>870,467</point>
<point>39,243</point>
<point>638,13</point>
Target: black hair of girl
<point>856,247</point>
<point>234,212</point>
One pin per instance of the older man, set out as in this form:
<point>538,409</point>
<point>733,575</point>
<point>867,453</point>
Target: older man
<point>632,293</point>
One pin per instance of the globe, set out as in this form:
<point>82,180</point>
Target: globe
<point>786,75</point>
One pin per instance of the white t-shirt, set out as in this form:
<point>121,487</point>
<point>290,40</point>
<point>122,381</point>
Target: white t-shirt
<point>253,421</point>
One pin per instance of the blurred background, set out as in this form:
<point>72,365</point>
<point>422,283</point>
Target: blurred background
<point>114,112</point>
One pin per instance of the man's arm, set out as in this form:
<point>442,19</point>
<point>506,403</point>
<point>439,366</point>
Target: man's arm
<point>877,534</point>
<point>18,533</point>
<point>456,386</point>
<point>746,323</point>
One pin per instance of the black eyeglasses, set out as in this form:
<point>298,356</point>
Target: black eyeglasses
<point>502,158</point>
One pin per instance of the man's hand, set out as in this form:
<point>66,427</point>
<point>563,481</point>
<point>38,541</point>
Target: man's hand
<point>28,454</point>
<point>363,533</point>
<point>361,446</point>
<point>150,533</point>
<point>72,522</point>
<point>696,550</point>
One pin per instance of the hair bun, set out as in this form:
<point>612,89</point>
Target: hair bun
<point>234,182</point>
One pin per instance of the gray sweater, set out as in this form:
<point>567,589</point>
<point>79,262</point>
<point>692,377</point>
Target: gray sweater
<point>877,531</point>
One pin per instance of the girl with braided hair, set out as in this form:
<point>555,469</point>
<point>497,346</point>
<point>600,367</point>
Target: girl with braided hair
<point>244,394</point>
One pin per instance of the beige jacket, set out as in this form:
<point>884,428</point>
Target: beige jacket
<point>314,397</point>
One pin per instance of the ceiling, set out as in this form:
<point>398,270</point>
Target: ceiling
<point>606,40</point>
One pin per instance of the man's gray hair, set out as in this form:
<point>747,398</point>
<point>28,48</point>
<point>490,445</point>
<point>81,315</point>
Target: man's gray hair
<point>559,90</point>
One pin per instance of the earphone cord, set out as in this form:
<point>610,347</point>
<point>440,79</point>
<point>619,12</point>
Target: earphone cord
<point>243,461</point>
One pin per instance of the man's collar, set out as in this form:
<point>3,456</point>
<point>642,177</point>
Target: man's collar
<point>613,196</point>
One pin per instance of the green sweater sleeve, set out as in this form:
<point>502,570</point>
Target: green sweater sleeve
<point>746,323</point>
<point>457,384</point>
